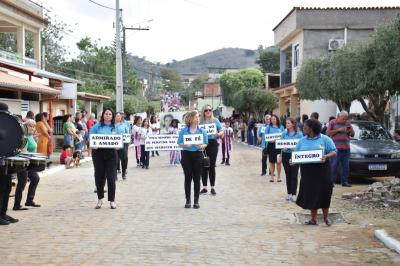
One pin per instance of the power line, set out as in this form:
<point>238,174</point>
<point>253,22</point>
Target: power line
<point>101,5</point>
<point>85,72</point>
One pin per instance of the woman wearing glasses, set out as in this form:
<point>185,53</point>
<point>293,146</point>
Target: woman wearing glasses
<point>212,148</point>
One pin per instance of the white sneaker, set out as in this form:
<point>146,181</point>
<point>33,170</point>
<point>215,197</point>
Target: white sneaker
<point>293,198</point>
<point>113,205</point>
<point>289,197</point>
<point>99,203</point>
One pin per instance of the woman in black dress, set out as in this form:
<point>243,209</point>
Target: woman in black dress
<point>316,186</point>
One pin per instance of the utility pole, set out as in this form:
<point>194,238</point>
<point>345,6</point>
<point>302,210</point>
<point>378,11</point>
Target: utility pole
<point>118,60</point>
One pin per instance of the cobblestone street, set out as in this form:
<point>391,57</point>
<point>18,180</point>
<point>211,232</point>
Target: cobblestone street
<point>248,222</point>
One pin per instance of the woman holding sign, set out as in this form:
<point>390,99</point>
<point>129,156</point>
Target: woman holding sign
<point>315,185</point>
<point>193,140</point>
<point>105,159</point>
<point>261,139</point>
<point>212,148</point>
<point>291,171</point>
<point>136,138</point>
<point>274,128</point>
<point>121,128</point>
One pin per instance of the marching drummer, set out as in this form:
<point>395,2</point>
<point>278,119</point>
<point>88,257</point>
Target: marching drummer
<point>5,188</point>
<point>24,174</point>
<point>105,159</point>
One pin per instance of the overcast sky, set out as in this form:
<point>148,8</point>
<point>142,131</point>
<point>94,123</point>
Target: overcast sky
<point>185,28</point>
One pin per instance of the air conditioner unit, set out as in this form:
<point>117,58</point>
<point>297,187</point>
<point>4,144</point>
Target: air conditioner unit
<point>335,44</point>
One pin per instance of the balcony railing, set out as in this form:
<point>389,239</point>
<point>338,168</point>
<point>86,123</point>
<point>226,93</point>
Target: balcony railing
<point>286,77</point>
<point>16,58</point>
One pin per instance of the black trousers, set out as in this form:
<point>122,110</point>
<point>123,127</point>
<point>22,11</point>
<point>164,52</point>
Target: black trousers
<point>5,189</point>
<point>144,156</point>
<point>264,157</point>
<point>123,158</point>
<point>291,172</point>
<point>22,179</point>
<point>192,165</point>
<point>225,150</point>
<point>156,152</point>
<point>243,135</point>
<point>212,152</point>
<point>105,168</point>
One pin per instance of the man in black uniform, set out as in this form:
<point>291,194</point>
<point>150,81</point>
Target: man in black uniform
<point>5,186</point>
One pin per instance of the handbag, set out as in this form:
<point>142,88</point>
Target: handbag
<point>205,159</point>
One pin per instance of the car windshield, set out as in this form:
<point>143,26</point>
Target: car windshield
<point>368,131</point>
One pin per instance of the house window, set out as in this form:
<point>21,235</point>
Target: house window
<point>296,53</point>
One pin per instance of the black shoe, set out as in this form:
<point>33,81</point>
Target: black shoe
<point>147,167</point>
<point>32,204</point>
<point>227,163</point>
<point>263,174</point>
<point>123,176</point>
<point>187,205</point>
<point>213,192</point>
<point>9,218</point>
<point>20,208</point>
<point>118,171</point>
<point>4,222</point>
<point>346,185</point>
<point>223,161</point>
<point>196,205</point>
<point>203,191</point>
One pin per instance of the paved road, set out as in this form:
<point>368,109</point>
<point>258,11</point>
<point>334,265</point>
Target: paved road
<point>248,222</point>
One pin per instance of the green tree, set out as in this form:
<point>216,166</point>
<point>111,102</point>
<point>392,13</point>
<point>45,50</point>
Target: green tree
<point>232,82</point>
<point>268,59</point>
<point>255,101</point>
<point>196,85</point>
<point>171,80</point>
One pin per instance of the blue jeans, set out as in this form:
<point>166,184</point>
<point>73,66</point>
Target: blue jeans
<point>342,158</point>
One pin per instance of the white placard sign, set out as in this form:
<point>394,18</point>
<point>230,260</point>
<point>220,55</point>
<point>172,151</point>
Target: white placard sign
<point>286,143</point>
<point>263,128</point>
<point>106,141</point>
<point>193,139</point>
<point>167,142</point>
<point>126,138</point>
<point>273,136</point>
<point>210,128</point>
<point>313,156</point>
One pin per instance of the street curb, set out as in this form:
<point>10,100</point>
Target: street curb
<point>59,168</point>
<point>389,241</point>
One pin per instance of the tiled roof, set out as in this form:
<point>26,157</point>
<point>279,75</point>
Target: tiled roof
<point>334,8</point>
<point>12,82</point>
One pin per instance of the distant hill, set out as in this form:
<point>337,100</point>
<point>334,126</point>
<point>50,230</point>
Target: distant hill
<point>224,58</point>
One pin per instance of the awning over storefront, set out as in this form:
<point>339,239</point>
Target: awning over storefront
<point>92,97</point>
<point>11,82</point>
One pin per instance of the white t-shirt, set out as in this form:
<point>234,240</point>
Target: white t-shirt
<point>144,132</point>
<point>154,127</point>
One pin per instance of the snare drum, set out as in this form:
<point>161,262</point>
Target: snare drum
<point>38,161</point>
<point>16,164</point>
<point>37,164</point>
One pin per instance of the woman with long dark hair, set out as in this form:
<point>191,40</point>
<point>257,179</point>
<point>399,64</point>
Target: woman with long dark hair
<point>291,171</point>
<point>272,151</point>
<point>105,159</point>
<point>42,133</point>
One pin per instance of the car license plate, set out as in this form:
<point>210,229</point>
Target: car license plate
<point>377,167</point>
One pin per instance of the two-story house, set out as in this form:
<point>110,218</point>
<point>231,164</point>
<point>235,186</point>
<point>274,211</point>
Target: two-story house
<point>24,83</point>
<point>311,32</point>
